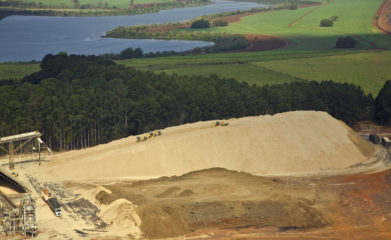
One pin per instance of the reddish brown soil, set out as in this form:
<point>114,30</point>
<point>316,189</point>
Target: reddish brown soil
<point>381,19</point>
<point>238,17</point>
<point>263,43</point>
<point>359,209</point>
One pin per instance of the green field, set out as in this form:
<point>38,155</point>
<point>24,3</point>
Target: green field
<point>369,70</point>
<point>311,54</point>
<point>17,70</point>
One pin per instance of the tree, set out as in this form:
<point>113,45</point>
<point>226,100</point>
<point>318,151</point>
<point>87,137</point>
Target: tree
<point>202,23</point>
<point>130,53</point>
<point>81,101</point>
<point>383,104</point>
<point>326,23</point>
<point>346,42</point>
<point>220,22</point>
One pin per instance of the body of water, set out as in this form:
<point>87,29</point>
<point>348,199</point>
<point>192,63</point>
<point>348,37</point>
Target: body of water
<point>26,38</point>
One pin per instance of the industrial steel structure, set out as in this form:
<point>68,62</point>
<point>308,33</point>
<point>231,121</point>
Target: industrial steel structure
<point>23,139</point>
<point>17,210</point>
<point>18,220</point>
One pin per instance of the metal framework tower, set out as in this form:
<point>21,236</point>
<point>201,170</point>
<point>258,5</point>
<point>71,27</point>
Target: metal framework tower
<point>26,138</point>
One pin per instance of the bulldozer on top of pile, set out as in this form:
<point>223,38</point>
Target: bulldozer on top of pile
<point>219,123</point>
<point>149,135</point>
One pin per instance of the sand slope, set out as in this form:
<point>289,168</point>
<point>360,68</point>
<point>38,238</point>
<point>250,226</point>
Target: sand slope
<point>292,142</point>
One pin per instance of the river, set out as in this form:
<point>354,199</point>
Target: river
<point>26,38</point>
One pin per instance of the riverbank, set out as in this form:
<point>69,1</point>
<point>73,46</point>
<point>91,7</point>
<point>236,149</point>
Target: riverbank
<point>8,9</point>
<point>223,42</point>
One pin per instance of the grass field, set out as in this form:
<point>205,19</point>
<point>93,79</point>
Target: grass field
<point>311,54</point>
<point>17,70</point>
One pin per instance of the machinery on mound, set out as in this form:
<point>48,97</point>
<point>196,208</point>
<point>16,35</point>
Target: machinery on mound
<point>219,123</point>
<point>149,135</point>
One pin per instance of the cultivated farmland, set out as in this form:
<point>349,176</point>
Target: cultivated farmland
<point>308,43</point>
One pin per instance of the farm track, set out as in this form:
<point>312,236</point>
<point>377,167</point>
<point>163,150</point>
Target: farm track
<point>308,13</point>
<point>262,42</point>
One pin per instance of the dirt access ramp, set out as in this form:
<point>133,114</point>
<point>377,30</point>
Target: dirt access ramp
<point>286,143</point>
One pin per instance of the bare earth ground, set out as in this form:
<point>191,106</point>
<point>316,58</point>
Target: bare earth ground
<point>338,202</point>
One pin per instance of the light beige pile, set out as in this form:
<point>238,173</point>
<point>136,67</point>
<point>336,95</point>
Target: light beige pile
<point>292,142</point>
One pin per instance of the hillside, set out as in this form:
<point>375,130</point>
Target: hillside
<point>292,142</point>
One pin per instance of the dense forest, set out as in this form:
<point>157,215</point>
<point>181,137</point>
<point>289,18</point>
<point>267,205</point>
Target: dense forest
<point>80,101</point>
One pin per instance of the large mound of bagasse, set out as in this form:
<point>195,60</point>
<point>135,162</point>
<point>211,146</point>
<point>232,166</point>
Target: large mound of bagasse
<point>292,142</point>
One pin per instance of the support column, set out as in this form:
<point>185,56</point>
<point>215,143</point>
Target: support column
<point>11,155</point>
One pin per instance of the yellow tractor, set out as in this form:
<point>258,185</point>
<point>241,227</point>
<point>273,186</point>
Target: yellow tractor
<point>157,133</point>
<point>141,139</point>
<point>219,123</point>
<point>149,135</point>
<point>154,134</point>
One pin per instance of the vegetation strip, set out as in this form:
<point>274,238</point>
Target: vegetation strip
<point>8,8</point>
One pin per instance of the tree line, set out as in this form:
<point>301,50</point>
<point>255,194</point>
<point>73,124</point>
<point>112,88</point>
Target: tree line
<point>10,7</point>
<point>222,41</point>
<point>81,101</point>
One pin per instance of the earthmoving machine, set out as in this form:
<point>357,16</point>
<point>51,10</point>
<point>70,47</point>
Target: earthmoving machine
<point>141,139</point>
<point>51,201</point>
<point>149,135</point>
<point>220,123</point>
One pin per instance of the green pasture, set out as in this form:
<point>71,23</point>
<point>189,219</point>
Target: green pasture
<point>368,69</point>
<point>311,54</point>
<point>354,19</point>
<point>17,70</point>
